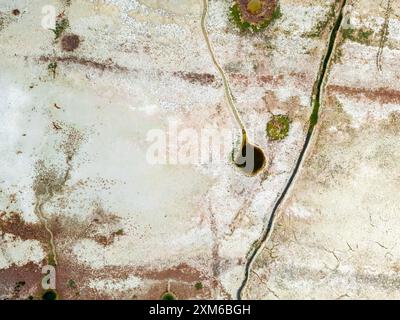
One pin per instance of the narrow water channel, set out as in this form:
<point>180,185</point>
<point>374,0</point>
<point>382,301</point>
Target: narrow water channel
<point>250,159</point>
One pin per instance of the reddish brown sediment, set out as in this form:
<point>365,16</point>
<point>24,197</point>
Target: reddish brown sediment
<point>70,42</point>
<point>13,223</point>
<point>29,277</point>
<point>181,279</point>
<point>182,291</point>
<point>196,78</point>
<point>107,65</point>
<point>381,95</point>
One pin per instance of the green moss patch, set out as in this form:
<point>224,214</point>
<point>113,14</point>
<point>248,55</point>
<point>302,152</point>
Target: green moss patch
<point>198,286</point>
<point>358,35</point>
<point>71,284</point>
<point>61,26</point>
<point>362,36</point>
<point>236,18</point>
<point>278,127</point>
<point>168,296</point>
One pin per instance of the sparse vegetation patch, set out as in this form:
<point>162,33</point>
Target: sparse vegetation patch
<point>278,127</point>
<point>198,286</point>
<point>362,36</point>
<point>254,15</point>
<point>52,67</point>
<point>168,296</point>
<point>61,26</point>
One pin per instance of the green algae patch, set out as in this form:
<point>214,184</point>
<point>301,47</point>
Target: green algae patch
<point>278,127</point>
<point>254,15</point>
<point>358,35</point>
<point>198,286</point>
<point>314,115</point>
<point>168,296</point>
<point>236,18</point>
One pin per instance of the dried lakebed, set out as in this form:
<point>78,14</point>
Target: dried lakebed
<point>78,105</point>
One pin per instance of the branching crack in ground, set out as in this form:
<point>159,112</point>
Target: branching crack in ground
<point>316,103</point>
<point>42,199</point>
<point>48,183</point>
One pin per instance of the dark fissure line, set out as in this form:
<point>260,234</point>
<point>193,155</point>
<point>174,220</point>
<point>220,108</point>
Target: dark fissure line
<point>313,121</point>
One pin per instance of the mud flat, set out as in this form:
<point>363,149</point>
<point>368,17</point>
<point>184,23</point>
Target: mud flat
<point>75,125</point>
<point>335,237</point>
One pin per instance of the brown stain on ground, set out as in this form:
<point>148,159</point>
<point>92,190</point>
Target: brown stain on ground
<point>182,272</point>
<point>21,282</point>
<point>67,231</point>
<point>108,65</point>
<point>182,279</point>
<point>183,291</point>
<point>12,223</point>
<point>70,42</point>
<point>381,95</point>
<point>262,79</point>
<point>204,79</point>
